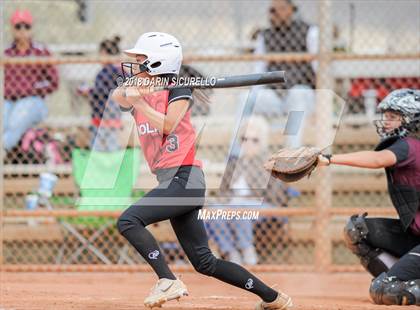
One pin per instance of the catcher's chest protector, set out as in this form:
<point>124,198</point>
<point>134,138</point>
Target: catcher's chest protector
<point>405,198</point>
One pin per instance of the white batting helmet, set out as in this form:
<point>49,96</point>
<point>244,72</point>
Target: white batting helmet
<point>163,52</point>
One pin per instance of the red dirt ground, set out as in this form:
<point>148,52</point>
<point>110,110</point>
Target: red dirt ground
<point>93,291</point>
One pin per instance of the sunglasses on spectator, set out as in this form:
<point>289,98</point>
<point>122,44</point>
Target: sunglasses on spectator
<point>254,139</point>
<point>22,26</point>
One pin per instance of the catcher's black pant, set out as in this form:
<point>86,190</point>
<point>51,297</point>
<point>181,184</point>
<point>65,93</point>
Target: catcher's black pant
<point>389,235</point>
<point>178,197</point>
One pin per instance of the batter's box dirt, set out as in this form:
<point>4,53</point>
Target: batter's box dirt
<point>126,291</point>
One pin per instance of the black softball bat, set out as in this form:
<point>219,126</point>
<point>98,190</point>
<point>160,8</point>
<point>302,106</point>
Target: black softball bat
<point>273,77</point>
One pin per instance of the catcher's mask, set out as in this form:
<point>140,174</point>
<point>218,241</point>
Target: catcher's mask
<point>383,125</point>
<point>406,103</point>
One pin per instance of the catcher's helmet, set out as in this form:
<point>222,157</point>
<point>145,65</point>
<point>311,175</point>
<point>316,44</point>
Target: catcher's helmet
<point>407,103</point>
<point>163,52</point>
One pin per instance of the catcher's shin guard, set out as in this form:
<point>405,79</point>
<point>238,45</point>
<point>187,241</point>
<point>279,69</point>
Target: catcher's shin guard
<point>386,290</point>
<point>282,302</point>
<point>165,290</point>
<point>374,260</point>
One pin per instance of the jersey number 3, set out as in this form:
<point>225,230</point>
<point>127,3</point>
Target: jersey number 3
<point>173,143</point>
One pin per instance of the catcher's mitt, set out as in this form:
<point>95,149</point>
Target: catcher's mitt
<point>291,165</point>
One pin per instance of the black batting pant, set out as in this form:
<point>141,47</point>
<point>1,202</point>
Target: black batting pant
<point>179,199</point>
<point>389,235</point>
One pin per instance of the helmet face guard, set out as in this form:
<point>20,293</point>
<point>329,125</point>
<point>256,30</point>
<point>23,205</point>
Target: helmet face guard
<point>410,127</point>
<point>384,133</point>
<point>131,69</point>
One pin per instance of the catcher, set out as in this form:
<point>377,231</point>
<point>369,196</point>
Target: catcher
<point>388,248</point>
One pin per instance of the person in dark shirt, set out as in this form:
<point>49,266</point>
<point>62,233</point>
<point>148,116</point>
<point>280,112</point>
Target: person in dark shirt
<point>106,116</point>
<point>287,33</point>
<point>25,85</point>
<point>390,248</point>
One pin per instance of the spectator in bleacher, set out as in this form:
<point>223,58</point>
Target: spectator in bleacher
<point>25,85</point>
<point>287,34</point>
<point>246,185</point>
<point>106,121</point>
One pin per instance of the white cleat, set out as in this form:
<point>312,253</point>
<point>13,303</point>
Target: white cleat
<point>165,290</point>
<point>282,302</point>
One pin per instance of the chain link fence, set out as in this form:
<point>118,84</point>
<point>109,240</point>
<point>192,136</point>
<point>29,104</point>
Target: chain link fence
<point>62,62</point>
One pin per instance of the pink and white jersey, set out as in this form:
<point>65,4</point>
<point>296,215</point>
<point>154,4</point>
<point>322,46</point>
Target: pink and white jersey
<point>167,151</point>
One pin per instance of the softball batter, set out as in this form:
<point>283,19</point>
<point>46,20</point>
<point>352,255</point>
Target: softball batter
<point>390,248</point>
<point>167,139</point>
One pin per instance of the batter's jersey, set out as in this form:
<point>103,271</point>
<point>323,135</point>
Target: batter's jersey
<point>167,151</point>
